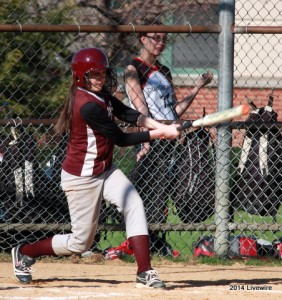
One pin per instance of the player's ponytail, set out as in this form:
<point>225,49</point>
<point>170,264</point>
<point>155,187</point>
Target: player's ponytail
<point>64,121</point>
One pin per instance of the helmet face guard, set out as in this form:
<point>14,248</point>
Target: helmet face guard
<point>110,85</point>
<point>92,59</point>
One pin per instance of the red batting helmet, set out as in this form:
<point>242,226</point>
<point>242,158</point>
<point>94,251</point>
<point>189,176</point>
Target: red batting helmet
<point>90,59</point>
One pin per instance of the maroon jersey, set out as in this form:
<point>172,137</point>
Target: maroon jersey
<point>94,133</point>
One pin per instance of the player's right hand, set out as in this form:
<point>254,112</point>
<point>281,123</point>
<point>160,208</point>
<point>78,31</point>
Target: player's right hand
<point>171,132</point>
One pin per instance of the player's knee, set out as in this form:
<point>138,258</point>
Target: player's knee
<point>134,208</point>
<point>80,247</point>
<point>83,249</point>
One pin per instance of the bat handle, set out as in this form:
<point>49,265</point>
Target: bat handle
<point>185,125</point>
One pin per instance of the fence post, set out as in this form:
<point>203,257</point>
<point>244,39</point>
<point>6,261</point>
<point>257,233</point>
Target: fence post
<point>224,134</point>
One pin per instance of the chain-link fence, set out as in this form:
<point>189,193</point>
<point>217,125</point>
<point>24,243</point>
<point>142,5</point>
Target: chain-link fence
<point>223,180</point>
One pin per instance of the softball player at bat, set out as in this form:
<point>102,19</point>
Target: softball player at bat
<point>88,175</point>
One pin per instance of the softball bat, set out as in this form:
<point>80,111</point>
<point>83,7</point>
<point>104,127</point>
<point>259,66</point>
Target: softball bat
<point>218,117</point>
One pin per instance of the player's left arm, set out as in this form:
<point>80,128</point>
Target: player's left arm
<point>132,116</point>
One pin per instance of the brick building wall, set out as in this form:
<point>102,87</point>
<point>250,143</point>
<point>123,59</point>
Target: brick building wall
<point>207,98</point>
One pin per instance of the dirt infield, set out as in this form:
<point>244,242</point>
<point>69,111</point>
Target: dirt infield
<point>115,280</point>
